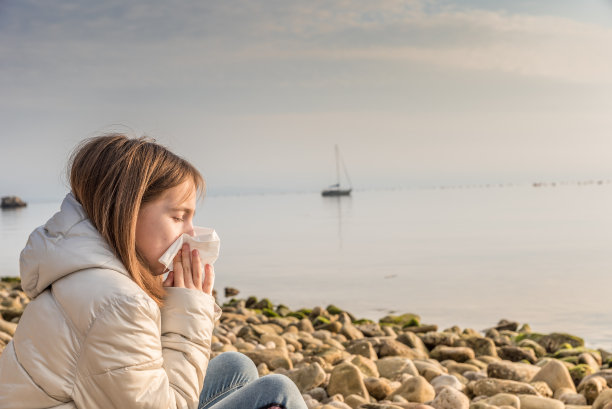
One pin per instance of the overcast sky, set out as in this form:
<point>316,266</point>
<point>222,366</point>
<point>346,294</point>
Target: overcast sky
<point>255,93</point>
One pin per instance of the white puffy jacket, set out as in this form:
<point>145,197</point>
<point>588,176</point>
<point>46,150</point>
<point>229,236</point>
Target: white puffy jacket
<point>91,338</point>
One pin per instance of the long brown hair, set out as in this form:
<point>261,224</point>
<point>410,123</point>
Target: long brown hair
<point>112,176</point>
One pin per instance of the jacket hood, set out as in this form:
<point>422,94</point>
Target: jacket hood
<point>68,242</point>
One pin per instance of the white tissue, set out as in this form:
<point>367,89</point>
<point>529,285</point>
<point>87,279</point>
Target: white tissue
<point>205,241</point>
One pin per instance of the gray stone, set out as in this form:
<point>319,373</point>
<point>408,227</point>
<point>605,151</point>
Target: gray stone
<point>366,366</point>
<point>491,386</point>
<point>458,354</point>
<point>511,370</point>
<point>443,381</point>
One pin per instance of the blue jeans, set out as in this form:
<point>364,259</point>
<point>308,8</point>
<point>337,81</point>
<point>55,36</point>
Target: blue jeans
<point>232,382</point>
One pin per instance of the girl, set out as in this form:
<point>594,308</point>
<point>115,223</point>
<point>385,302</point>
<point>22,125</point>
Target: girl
<point>103,330</point>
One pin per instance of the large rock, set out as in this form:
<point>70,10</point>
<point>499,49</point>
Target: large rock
<point>491,386</point>
<point>450,398</point>
<point>10,202</point>
<point>556,375</point>
<point>413,341</point>
<point>308,377</point>
<point>444,381</point>
<point>379,388</point>
<point>346,379</point>
<point>363,348</point>
<point>393,367</point>
<point>482,346</point>
<point>458,354</point>
<point>511,370</point>
<point>366,366</point>
<point>392,347</point>
<point>604,398</point>
<point>592,387</point>
<point>273,358</point>
<point>539,402</point>
<point>415,389</point>
<point>504,399</point>
<point>517,354</point>
<point>553,342</point>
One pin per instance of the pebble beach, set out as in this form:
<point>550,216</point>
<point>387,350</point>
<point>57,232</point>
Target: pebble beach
<point>341,361</point>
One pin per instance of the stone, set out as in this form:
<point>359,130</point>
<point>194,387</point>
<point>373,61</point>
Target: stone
<point>362,348</point>
<point>539,402</point>
<point>542,388</point>
<point>571,398</point>
<point>517,354</point>
<point>511,370</point>
<point>415,389</point>
<point>393,367</point>
<point>350,331</point>
<point>273,358</point>
<point>391,347</point>
<point>504,399</point>
<point>482,346</point>
<point>433,339</point>
<point>379,388</point>
<point>429,369</point>
<point>553,342</point>
<point>354,401</point>
<point>318,393</point>
<point>410,339</point>
<point>308,377</point>
<point>458,354</point>
<point>450,398</point>
<point>444,381</point>
<point>591,388</point>
<point>8,327</point>
<point>604,398</point>
<point>366,366</point>
<point>331,355</point>
<point>491,386</point>
<point>556,375</point>
<point>346,379</point>
<point>11,202</point>
<point>538,349</point>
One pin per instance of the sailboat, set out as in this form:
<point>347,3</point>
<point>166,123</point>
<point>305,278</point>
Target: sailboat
<point>336,189</point>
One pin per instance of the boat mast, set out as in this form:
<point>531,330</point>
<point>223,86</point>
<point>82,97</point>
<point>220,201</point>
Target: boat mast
<point>337,166</point>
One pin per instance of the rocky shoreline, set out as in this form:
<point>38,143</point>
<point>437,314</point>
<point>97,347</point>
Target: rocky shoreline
<point>339,362</point>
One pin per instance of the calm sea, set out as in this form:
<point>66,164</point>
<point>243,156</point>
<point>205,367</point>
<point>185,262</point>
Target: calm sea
<point>464,256</point>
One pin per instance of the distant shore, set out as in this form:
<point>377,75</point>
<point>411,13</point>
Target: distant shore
<point>339,361</point>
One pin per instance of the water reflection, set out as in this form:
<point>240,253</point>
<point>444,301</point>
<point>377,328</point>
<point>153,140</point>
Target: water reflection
<point>340,206</point>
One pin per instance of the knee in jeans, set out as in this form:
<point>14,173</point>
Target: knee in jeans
<point>237,362</point>
<point>279,383</point>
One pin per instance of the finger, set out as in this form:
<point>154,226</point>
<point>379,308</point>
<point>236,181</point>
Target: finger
<point>169,281</point>
<point>196,266</point>
<point>186,258</point>
<point>179,281</point>
<point>209,279</point>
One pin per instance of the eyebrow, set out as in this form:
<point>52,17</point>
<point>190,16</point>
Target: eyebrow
<point>183,209</point>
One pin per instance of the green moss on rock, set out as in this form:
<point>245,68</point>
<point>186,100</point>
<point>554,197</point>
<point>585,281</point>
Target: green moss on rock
<point>363,321</point>
<point>268,312</point>
<point>401,320</point>
<point>320,320</point>
<point>10,279</point>
<point>333,310</point>
<point>580,371</point>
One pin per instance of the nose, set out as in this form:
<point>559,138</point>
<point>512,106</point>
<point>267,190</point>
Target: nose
<point>189,229</point>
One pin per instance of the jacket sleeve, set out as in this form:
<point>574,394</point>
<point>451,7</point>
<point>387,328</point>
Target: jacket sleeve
<point>135,356</point>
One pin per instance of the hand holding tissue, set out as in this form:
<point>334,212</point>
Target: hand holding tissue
<point>205,240</point>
